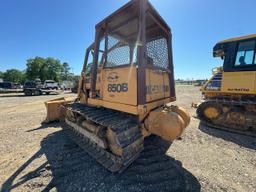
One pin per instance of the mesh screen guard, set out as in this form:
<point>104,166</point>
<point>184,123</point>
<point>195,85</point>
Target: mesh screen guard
<point>137,35</point>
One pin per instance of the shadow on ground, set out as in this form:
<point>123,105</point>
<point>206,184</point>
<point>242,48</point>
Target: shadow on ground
<point>22,95</point>
<point>242,140</point>
<point>45,125</point>
<point>13,95</point>
<point>70,169</point>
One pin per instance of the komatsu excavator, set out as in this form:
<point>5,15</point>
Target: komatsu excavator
<point>230,95</point>
<point>126,85</point>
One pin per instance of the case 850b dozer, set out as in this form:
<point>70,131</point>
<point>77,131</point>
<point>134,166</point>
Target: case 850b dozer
<point>126,84</point>
<point>230,95</point>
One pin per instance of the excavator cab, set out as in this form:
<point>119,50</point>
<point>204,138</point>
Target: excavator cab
<point>125,89</point>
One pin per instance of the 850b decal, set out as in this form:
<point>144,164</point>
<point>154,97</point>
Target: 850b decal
<point>118,88</point>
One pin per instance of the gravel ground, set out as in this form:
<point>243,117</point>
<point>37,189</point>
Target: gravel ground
<point>42,158</point>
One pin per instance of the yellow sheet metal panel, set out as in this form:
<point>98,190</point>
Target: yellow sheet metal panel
<point>157,83</point>
<point>116,106</point>
<point>239,82</point>
<point>120,85</point>
<point>166,83</point>
<point>143,110</point>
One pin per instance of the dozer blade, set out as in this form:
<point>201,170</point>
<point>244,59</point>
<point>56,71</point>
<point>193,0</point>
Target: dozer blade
<point>53,108</point>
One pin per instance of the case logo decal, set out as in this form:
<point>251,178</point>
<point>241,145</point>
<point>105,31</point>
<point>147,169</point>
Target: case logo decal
<point>112,77</point>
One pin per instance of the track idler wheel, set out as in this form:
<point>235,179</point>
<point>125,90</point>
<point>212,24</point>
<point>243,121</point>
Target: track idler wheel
<point>209,111</point>
<point>237,118</point>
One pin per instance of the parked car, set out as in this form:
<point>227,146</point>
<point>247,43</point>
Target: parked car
<point>50,84</point>
<point>17,86</point>
<point>67,85</point>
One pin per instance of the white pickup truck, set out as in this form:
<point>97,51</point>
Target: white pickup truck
<point>50,84</point>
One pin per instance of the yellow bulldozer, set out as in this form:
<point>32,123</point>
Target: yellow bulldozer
<point>230,95</point>
<point>125,89</point>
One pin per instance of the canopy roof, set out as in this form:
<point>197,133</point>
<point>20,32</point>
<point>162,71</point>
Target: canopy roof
<point>223,46</point>
<point>125,22</point>
<point>238,38</point>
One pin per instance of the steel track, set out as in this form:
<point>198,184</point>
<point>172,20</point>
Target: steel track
<point>223,126</point>
<point>124,126</point>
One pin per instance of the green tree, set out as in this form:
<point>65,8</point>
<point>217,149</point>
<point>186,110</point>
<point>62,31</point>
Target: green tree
<point>54,69</point>
<point>35,67</point>
<point>66,75</point>
<point>1,74</point>
<point>44,68</point>
<point>14,75</point>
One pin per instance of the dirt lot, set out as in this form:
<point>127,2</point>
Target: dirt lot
<point>43,158</point>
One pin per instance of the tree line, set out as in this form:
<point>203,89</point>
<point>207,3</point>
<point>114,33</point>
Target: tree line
<point>39,68</point>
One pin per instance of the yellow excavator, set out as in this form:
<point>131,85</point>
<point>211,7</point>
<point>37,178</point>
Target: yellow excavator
<point>230,95</point>
<point>125,89</point>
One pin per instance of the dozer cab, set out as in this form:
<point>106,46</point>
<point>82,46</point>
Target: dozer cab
<point>230,95</point>
<point>126,84</point>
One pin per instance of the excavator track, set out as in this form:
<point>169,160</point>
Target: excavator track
<point>224,122</point>
<point>111,137</point>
